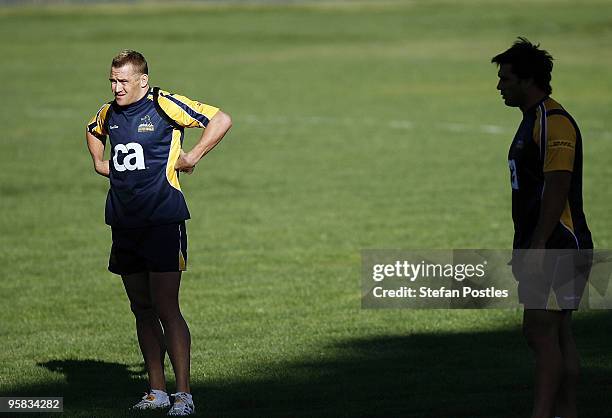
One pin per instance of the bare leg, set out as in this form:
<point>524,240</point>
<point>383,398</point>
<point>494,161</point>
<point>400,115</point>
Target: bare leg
<point>542,328</point>
<point>164,293</point>
<point>565,405</point>
<point>148,328</point>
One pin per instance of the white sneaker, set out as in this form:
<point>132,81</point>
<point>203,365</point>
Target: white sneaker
<point>183,405</point>
<point>155,399</point>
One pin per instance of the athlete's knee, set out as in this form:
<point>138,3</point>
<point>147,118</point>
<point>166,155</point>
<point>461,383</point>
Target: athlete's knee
<point>168,313</point>
<point>167,307</point>
<point>143,311</point>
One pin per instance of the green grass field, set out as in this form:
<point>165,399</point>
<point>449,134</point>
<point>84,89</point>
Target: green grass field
<point>356,125</point>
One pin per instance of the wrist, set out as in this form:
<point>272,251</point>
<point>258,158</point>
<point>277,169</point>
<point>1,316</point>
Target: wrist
<point>191,158</point>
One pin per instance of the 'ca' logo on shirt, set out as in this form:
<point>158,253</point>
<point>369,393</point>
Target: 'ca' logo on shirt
<point>146,125</point>
<point>129,157</point>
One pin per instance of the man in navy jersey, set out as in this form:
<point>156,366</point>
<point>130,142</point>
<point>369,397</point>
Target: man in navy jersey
<point>552,242</point>
<point>146,210</point>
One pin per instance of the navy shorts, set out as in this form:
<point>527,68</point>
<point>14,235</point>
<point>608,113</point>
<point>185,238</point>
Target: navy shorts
<point>161,248</point>
<point>562,283</point>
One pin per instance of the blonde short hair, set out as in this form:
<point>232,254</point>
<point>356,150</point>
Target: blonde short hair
<point>127,56</point>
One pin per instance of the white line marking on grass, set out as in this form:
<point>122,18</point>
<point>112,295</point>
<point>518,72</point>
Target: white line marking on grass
<point>454,127</point>
<point>492,129</point>
<point>402,124</point>
<point>405,124</point>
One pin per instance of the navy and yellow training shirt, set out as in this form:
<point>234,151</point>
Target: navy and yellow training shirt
<point>548,139</point>
<point>145,140</point>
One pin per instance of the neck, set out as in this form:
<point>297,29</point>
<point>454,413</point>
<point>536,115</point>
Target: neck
<point>143,92</point>
<point>533,97</point>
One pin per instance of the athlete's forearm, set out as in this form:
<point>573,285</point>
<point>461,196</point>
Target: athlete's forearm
<point>103,168</point>
<point>554,198</point>
<point>212,135</point>
<point>96,149</point>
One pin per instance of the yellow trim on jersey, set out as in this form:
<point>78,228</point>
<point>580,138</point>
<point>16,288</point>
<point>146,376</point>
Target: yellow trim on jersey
<point>537,127</point>
<point>560,147</point>
<point>186,112</point>
<point>182,263</point>
<point>551,104</point>
<point>173,156</point>
<point>566,217</point>
<point>560,138</point>
<point>96,124</point>
<point>560,144</point>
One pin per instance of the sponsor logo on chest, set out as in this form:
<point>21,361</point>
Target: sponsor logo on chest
<point>133,157</point>
<point>146,125</point>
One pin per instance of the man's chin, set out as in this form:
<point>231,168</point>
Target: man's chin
<point>510,103</point>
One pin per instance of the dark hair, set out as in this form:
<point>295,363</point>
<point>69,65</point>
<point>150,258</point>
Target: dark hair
<point>528,61</point>
<point>127,56</point>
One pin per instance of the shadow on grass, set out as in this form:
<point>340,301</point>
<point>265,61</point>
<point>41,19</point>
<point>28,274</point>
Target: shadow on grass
<point>462,375</point>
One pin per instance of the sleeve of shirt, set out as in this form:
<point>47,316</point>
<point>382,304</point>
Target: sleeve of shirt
<point>560,144</point>
<point>96,125</point>
<point>186,112</point>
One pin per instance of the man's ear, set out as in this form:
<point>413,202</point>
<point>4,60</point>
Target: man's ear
<point>144,80</point>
